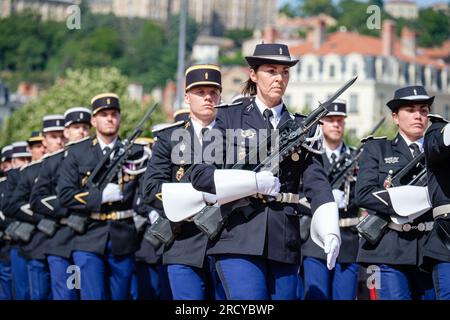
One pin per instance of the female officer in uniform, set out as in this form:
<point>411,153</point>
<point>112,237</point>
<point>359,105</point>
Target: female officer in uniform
<point>399,251</point>
<point>257,254</point>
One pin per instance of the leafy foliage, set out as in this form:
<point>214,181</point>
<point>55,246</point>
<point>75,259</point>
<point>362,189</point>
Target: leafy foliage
<point>76,89</point>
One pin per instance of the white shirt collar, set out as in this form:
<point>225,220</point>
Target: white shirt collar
<point>276,110</point>
<point>418,142</point>
<point>329,152</point>
<point>103,145</point>
<point>198,128</point>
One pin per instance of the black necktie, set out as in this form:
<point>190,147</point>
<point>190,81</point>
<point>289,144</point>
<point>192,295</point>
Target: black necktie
<point>204,131</point>
<point>106,150</point>
<point>333,158</point>
<point>267,115</point>
<point>415,149</point>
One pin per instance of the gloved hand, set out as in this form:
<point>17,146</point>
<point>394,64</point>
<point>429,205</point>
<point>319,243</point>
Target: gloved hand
<point>339,198</point>
<point>331,249</point>
<point>112,193</point>
<point>209,197</point>
<point>267,184</point>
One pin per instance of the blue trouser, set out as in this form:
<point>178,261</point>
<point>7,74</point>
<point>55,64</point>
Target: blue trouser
<point>256,278</point>
<point>404,283</point>
<point>322,284</point>
<point>441,279</point>
<point>189,283</point>
<point>59,267</point>
<point>219,292</point>
<point>104,276</point>
<point>39,276</point>
<point>19,275</point>
<point>148,281</point>
<point>300,286</point>
<point>5,281</point>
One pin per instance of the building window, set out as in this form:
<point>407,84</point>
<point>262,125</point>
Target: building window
<point>354,69</point>
<point>353,104</point>
<point>446,112</point>
<point>310,71</point>
<point>332,71</point>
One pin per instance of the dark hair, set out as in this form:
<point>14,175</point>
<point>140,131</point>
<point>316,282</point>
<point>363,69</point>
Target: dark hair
<point>250,85</point>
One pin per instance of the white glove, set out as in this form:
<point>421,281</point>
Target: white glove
<point>209,197</point>
<point>331,249</point>
<point>339,198</point>
<point>267,184</point>
<point>447,135</point>
<point>112,193</point>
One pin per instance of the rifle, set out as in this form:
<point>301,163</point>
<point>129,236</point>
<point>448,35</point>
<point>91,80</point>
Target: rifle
<point>106,170</point>
<point>373,226</point>
<point>397,179</point>
<point>211,219</point>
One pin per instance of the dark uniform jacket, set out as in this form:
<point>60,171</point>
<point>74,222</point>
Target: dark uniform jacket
<point>377,159</point>
<point>190,244</point>
<point>60,244</point>
<point>20,205</point>
<point>272,229</point>
<point>73,193</point>
<point>4,222</point>
<point>349,236</point>
<point>437,157</point>
<point>12,178</point>
<point>146,252</point>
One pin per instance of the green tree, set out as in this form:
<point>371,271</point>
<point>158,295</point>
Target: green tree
<point>76,89</point>
<point>315,7</point>
<point>353,15</point>
<point>434,28</point>
<point>238,35</point>
<point>288,10</point>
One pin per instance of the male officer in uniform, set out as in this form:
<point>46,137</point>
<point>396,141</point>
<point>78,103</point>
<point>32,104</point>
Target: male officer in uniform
<point>20,158</point>
<point>104,250</point>
<point>437,247</point>
<point>257,254</point>
<point>187,264</point>
<point>341,282</point>
<point>33,249</point>
<point>5,261</point>
<point>398,253</point>
<point>44,201</point>
<point>36,146</point>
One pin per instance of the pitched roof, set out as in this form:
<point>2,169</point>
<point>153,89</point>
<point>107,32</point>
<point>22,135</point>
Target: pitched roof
<point>345,42</point>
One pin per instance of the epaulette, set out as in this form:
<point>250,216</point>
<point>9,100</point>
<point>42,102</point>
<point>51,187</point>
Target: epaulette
<point>143,141</point>
<point>435,118</point>
<point>31,164</point>
<point>176,124</point>
<point>48,155</point>
<point>371,137</point>
<point>71,143</point>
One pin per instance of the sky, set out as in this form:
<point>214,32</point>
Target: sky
<point>421,3</point>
